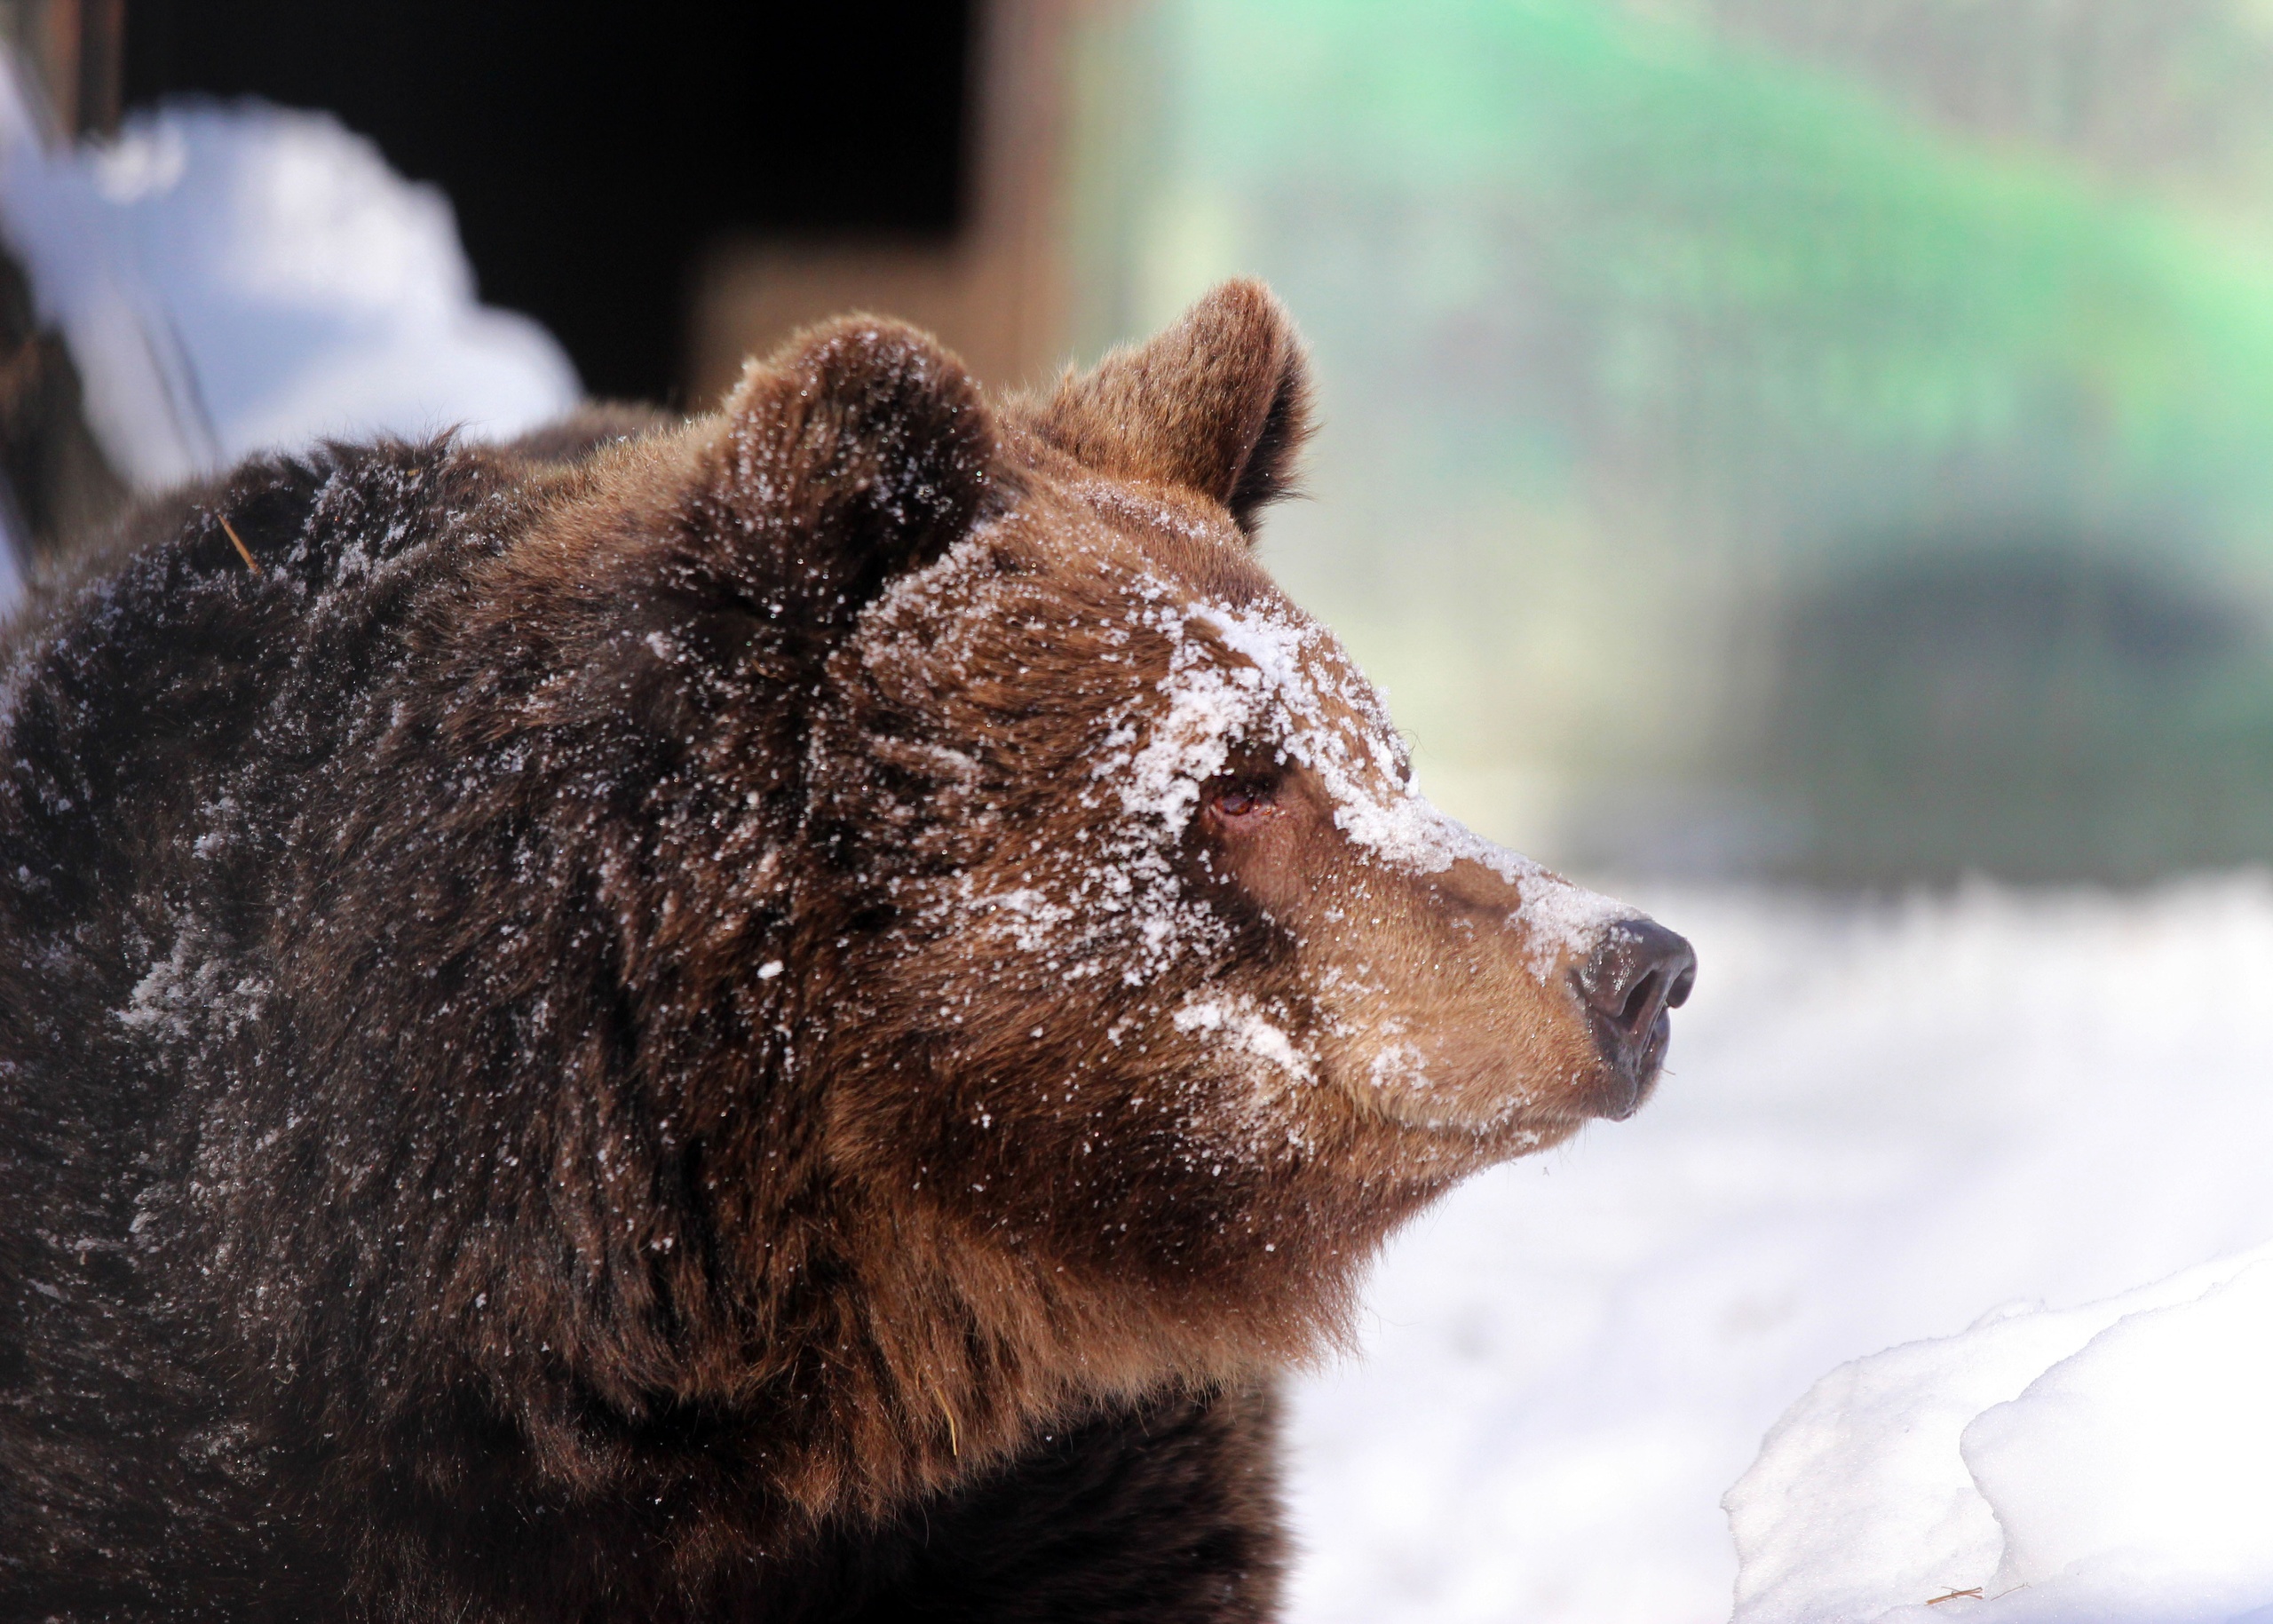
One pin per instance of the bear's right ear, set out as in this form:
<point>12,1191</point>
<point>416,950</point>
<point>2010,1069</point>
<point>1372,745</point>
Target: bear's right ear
<point>860,450</point>
<point>1219,404</point>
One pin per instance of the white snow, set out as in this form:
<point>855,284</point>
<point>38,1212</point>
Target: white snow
<point>1881,1126</point>
<point>238,278</point>
<point>2110,1462</point>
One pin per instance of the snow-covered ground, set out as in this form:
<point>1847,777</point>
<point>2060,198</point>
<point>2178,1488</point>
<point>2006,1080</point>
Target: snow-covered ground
<point>1882,1125</point>
<point>2112,1462</point>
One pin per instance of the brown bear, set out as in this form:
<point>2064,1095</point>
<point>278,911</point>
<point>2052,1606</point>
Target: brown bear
<point>785,1016</point>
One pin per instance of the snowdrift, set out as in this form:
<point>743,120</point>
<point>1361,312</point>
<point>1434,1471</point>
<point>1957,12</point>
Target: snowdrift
<point>2107,1463</point>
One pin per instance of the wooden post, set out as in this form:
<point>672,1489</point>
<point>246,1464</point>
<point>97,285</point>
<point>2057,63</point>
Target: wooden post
<point>102,66</point>
<point>994,292</point>
<point>55,482</point>
<point>77,48</point>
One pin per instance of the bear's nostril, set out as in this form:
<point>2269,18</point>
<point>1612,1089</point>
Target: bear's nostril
<point>1641,1003</point>
<point>1641,971</point>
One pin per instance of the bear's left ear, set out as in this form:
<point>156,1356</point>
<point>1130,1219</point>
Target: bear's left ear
<point>861,449</point>
<point>1219,404</point>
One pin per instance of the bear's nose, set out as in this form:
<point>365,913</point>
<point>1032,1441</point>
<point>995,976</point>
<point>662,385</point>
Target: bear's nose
<point>1639,972</point>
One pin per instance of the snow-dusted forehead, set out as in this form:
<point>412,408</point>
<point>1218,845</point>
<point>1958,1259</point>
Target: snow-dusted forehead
<point>1264,678</point>
<point>1258,678</point>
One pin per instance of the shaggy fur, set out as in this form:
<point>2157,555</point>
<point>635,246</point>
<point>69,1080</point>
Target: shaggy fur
<point>561,1057</point>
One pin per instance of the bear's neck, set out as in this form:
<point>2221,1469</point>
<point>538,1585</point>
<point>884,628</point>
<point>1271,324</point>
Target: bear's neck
<point>936,1358</point>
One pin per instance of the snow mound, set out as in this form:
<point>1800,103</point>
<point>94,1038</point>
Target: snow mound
<point>2111,1461</point>
<point>232,279</point>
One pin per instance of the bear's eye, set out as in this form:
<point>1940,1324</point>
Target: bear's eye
<point>1241,798</point>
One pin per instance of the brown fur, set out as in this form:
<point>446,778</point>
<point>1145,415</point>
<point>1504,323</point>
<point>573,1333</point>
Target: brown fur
<point>666,1101</point>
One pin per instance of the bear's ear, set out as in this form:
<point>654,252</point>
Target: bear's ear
<point>1219,404</point>
<point>861,449</point>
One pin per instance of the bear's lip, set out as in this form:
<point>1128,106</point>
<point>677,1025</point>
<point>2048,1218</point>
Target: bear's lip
<point>1513,1133</point>
<point>1515,1118</point>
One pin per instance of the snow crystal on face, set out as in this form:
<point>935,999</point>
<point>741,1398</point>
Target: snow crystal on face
<point>1398,1067</point>
<point>1564,918</point>
<point>1027,915</point>
<point>1208,706</point>
<point>1243,1025</point>
<point>1116,908</point>
<point>913,601</point>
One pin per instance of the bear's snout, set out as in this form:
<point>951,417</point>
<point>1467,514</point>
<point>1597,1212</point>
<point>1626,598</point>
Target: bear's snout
<point>1629,984</point>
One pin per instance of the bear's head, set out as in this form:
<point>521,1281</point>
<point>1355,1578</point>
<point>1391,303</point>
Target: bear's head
<point>1029,936</point>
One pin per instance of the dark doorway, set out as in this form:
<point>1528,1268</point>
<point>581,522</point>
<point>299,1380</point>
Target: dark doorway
<point>592,151</point>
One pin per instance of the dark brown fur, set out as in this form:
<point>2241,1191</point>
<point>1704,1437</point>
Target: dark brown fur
<point>521,1095</point>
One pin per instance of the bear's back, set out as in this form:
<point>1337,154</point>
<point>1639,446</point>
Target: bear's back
<point>164,707</point>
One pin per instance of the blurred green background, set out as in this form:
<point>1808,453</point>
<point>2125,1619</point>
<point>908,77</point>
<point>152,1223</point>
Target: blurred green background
<point>1812,439</point>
